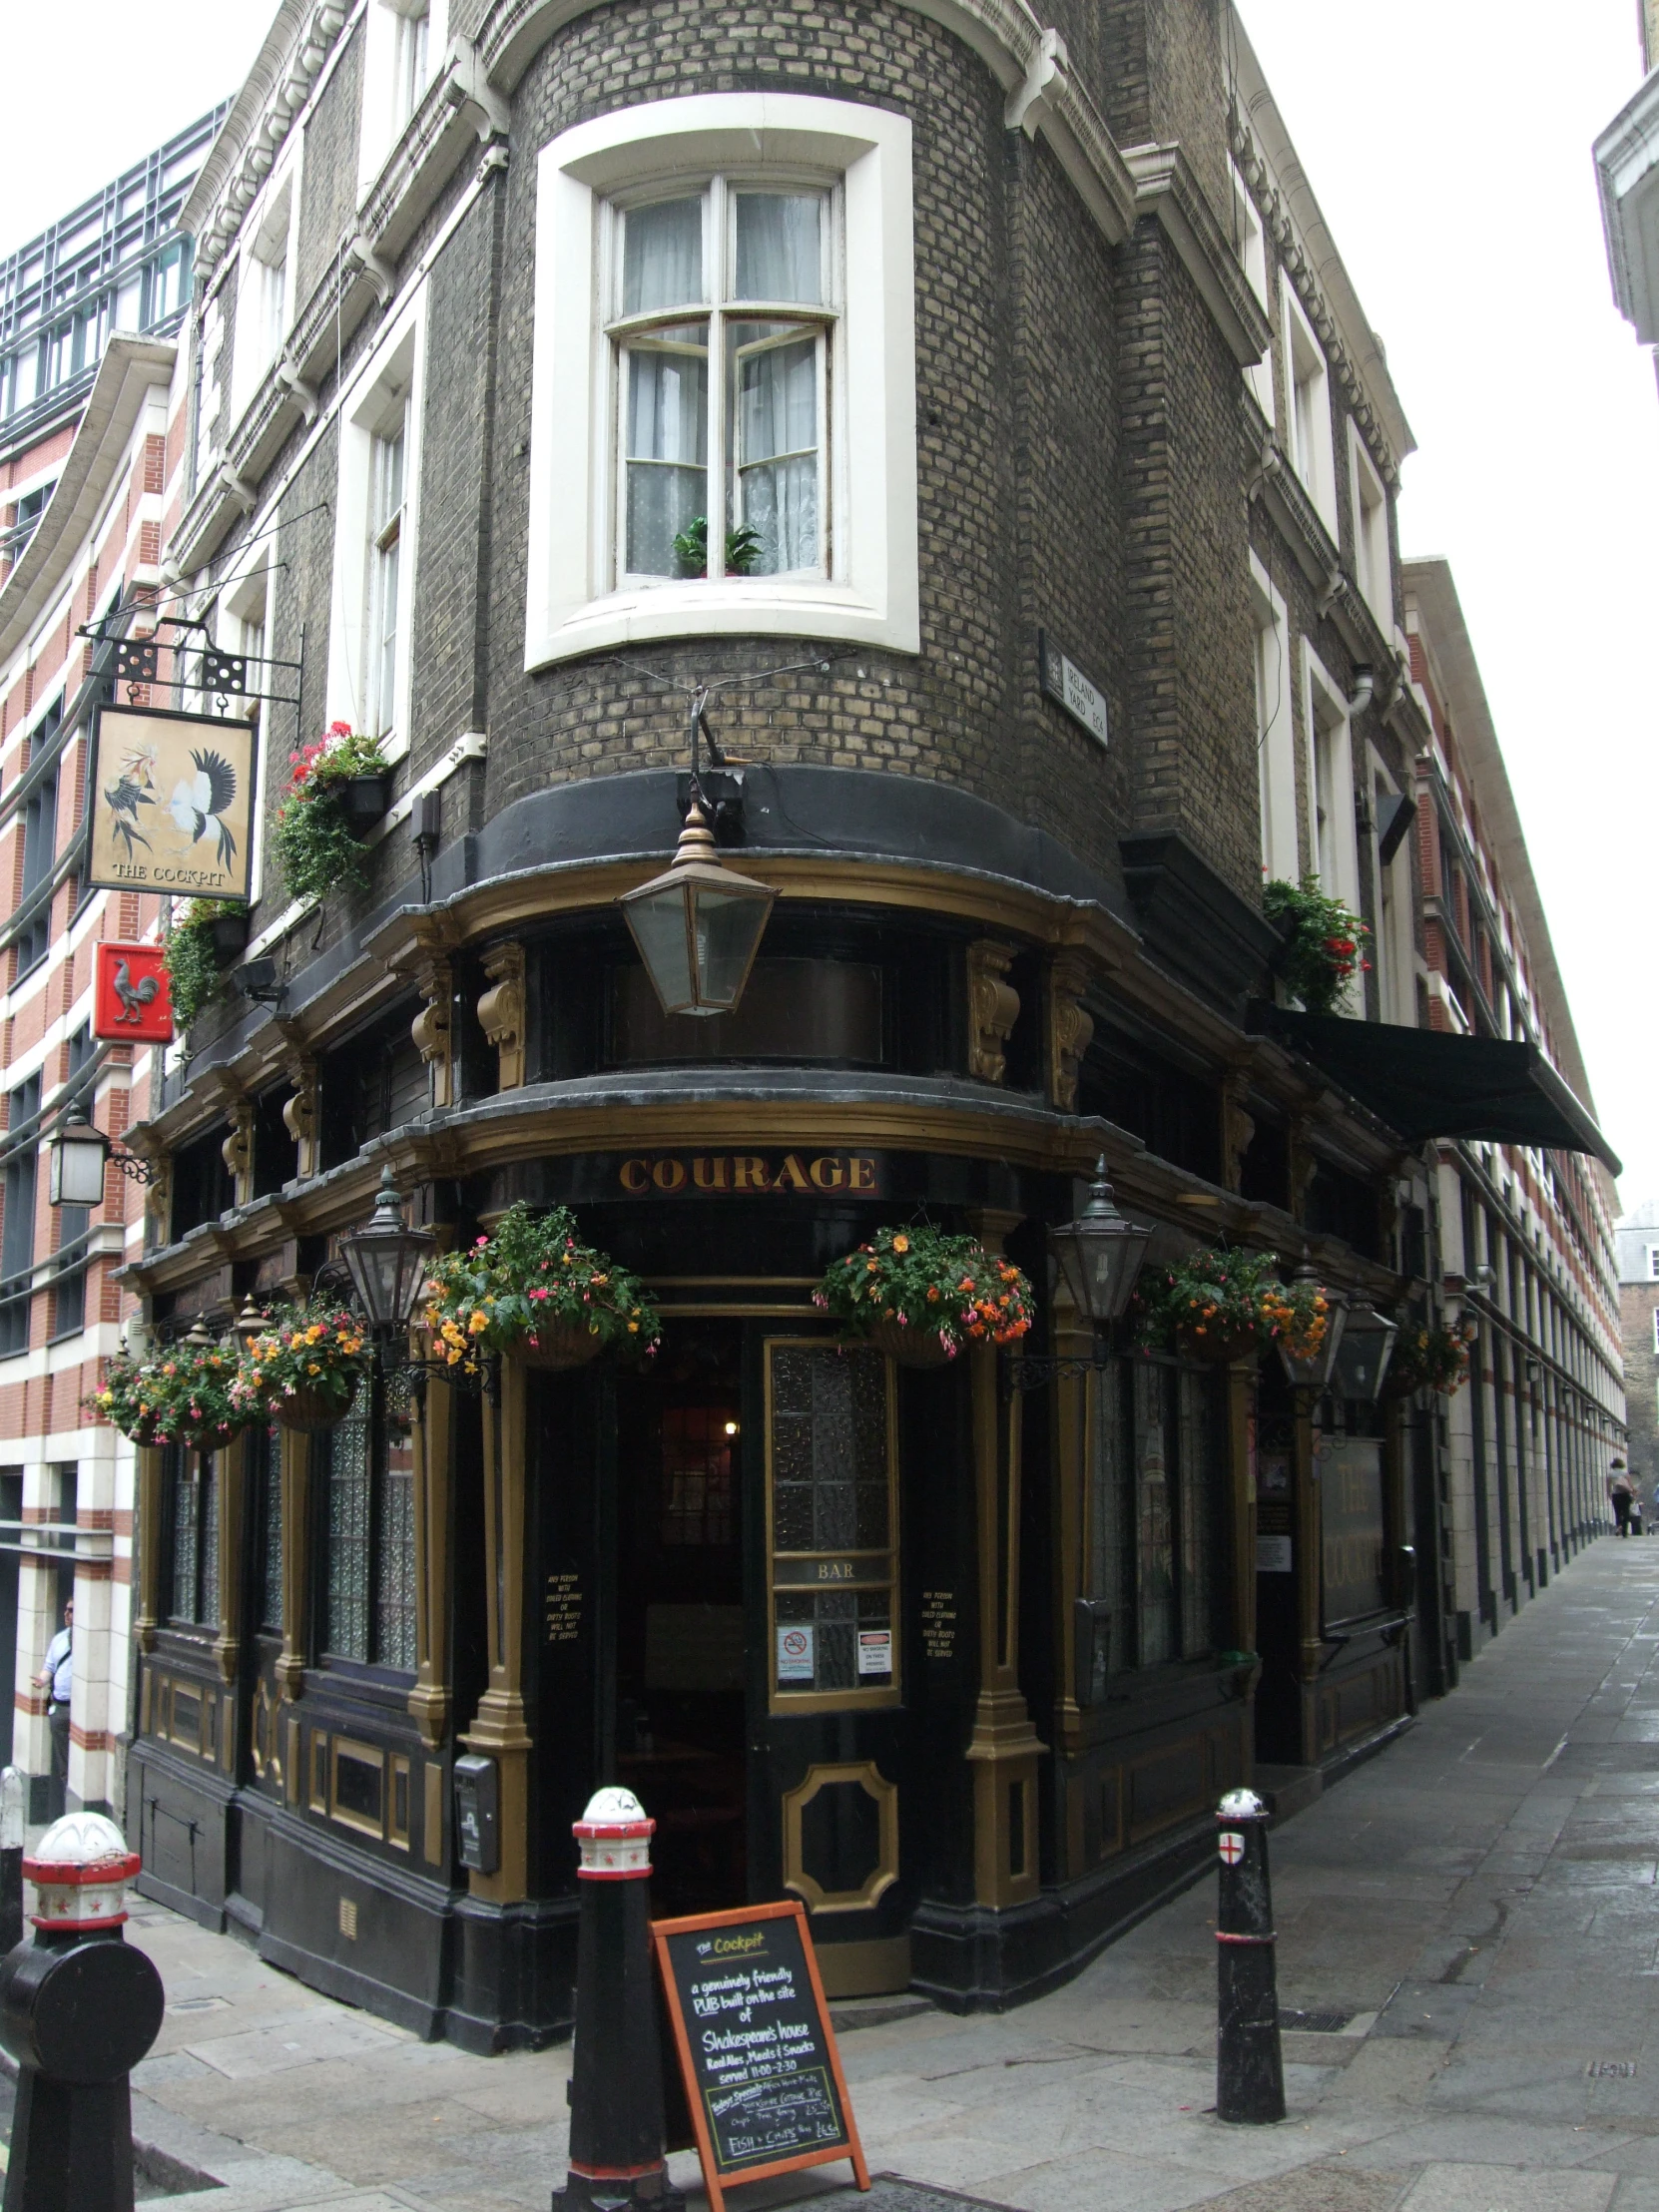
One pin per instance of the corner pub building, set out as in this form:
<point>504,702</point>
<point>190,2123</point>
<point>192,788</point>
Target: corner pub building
<point>1004,341</point>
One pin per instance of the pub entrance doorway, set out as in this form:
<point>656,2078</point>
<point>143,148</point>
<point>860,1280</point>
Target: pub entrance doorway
<point>681,1720</point>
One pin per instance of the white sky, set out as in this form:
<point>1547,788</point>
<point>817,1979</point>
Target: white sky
<point>1449,146</point>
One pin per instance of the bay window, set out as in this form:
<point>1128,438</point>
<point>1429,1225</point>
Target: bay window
<point>724,289</point>
<point>723,408</point>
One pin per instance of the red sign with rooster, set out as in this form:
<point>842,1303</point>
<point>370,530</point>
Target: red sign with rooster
<point>132,1003</point>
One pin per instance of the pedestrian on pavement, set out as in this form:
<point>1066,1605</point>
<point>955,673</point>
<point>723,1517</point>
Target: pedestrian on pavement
<point>55,1679</point>
<point>1621,1491</point>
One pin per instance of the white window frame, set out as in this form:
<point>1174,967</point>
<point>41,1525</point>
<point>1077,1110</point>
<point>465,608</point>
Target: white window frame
<point>1275,727</point>
<point>1395,946</point>
<point>393,378</point>
<point>1372,568</point>
<point>1656,1330</point>
<point>1653,1263</point>
<point>1251,248</point>
<point>265,289</point>
<point>242,624</point>
<point>871,595</point>
<point>1332,840</point>
<point>389,97</point>
<point>1307,411</point>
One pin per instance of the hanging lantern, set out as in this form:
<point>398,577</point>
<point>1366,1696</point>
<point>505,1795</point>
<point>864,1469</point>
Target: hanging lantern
<point>78,1154</point>
<point>387,1261</point>
<point>698,926</point>
<point>1363,1356</point>
<point>1100,1254</point>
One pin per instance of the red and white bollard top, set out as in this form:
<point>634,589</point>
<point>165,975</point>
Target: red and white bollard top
<point>80,1871</point>
<point>615,1835</point>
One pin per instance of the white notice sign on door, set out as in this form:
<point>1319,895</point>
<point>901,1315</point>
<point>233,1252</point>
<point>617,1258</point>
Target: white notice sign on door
<point>797,1655</point>
<point>875,1651</point>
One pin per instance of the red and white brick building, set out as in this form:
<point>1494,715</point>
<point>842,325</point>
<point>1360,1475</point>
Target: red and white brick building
<point>92,427</point>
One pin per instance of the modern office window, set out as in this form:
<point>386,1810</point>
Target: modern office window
<point>17,1226</point>
<point>70,1264</point>
<point>40,852</point>
<point>693,461</point>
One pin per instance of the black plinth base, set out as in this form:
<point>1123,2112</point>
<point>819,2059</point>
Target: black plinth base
<point>649,2192</point>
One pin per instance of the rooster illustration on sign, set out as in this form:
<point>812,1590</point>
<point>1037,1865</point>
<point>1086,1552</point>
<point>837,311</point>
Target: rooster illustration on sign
<point>132,789</point>
<point>199,801</point>
<point>133,997</point>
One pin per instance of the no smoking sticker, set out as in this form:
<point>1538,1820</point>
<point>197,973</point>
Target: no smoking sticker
<point>1232,1846</point>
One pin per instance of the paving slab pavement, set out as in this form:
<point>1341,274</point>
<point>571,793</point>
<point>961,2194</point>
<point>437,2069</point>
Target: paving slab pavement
<point>1477,1908</point>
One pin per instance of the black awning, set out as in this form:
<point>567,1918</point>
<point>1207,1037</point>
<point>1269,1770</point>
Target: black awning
<point>1430,1083</point>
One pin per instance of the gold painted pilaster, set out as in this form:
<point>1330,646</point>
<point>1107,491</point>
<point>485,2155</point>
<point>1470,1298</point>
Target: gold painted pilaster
<point>498,1729</point>
<point>431,1434</point>
<point>1310,1559</point>
<point>232,1476</point>
<point>1074,1418</point>
<point>1004,1748</point>
<point>150,1546</point>
<point>296,1475</point>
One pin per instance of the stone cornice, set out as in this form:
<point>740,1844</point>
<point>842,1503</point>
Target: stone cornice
<point>1028,61</point>
<point>1291,217</point>
<point>1627,157</point>
<point>1165,186</point>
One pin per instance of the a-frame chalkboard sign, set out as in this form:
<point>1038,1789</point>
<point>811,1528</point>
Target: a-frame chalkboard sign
<point>757,2055</point>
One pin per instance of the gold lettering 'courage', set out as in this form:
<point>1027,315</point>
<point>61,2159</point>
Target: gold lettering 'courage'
<point>800,1174</point>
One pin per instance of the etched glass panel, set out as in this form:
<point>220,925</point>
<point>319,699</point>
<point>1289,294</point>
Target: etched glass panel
<point>1154,1518</point>
<point>831,1500</point>
<point>208,1611</point>
<point>394,1555</point>
<point>346,1625</point>
<point>182,1473</point>
<point>1199,1481</point>
<point>270,1532</point>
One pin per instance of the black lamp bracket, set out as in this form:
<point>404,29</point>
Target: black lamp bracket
<point>131,1165</point>
<point>1037,1373</point>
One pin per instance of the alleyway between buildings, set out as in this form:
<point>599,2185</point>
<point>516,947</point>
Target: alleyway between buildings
<point>1472,1919</point>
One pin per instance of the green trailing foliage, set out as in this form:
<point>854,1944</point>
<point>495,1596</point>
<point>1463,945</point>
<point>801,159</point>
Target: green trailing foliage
<point>310,838</point>
<point>1324,942</point>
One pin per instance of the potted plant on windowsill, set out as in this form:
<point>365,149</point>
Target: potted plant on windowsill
<point>304,1367</point>
<point>922,1296</point>
<point>205,936</point>
<point>537,1292</point>
<point>1324,943</point>
<point>318,834</point>
<point>691,549</point>
<point>1223,1305</point>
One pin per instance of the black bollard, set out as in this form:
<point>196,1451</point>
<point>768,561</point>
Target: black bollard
<point>10,1859</point>
<point>1249,2074</point>
<point>616,2089</point>
<point>78,2011</point>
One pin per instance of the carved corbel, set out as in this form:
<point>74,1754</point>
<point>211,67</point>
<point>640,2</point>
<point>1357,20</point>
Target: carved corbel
<point>238,1149</point>
<point>430,1028</point>
<point>299,1115</point>
<point>1303,1163</point>
<point>1238,1127</point>
<point>1070,1027</point>
<point>501,1012</point>
<point>993,1008</point>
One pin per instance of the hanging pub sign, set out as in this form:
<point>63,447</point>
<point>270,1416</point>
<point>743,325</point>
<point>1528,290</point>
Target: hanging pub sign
<point>130,1000</point>
<point>757,2053</point>
<point>172,802</point>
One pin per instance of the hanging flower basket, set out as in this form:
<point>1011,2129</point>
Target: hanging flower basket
<point>363,800</point>
<point>185,1393</point>
<point>304,1367</point>
<point>230,935</point>
<point>1323,942</point>
<point>534,1291</point>
<point>1219,1346</point>
<point>318,834</point>
<point>1223,1304</point>
<point>911,1347</point>
<point>922,1296</point>
<point>558,1346</point>
<point>1430,1358</point>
